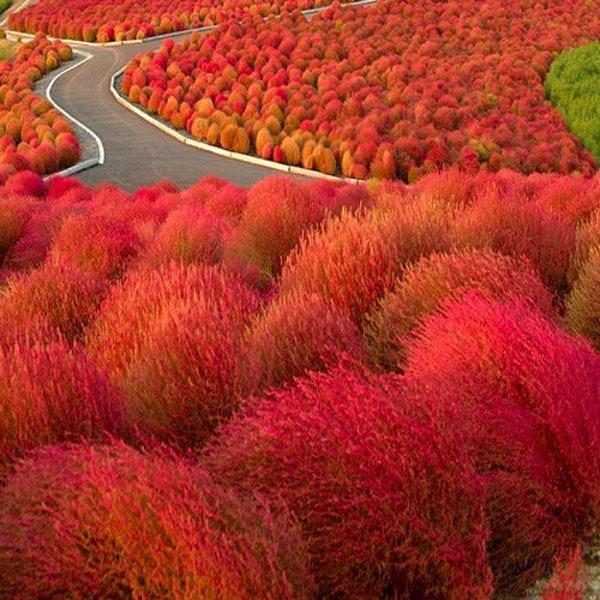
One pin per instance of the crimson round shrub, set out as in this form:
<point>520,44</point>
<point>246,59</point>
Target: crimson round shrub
<point>583,302</point>
<point>433,279</point>
<point>278,209</point>
<point>354,259</point>
<point>94,243</point>
<point>26,183</point>
<point>112,522</point>
<point>51,393</point>
<point>173,339</point>
<point>517,227</point>
<point>65,296</point>
<point>387,507</point>
<point>347,261</point>
<point>298,333</point>
<point>523,395</point>
<point>190,234</point>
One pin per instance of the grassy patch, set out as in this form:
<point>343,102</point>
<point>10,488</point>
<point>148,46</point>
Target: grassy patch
<point>572,86</point>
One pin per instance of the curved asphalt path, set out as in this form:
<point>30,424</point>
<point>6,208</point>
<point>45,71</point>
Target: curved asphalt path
<point>136,153</point>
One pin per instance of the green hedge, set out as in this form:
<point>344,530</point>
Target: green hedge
<point>4,4</point>
<point>573,86</point>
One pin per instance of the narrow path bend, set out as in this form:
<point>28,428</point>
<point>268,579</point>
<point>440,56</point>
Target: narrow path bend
<point>136,153</point>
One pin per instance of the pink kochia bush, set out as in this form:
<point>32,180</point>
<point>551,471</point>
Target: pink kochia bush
<point>523,395</point>
<point>388,507</point>
<point>429,282</point>
<point>110,522</point>
<point>172,339</point>
<point>51,393</point>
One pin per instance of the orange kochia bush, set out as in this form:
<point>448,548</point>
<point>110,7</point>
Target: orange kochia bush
<point>33,134</point>
<point>388,91</point>
<point>105,21</point>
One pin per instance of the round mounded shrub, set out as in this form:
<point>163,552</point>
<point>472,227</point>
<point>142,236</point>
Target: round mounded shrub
<point>387,507</point>
<point>277,211</point>
<point>96,244</point>
<point>190,234</point>
<point>523,395</point>
<point>299,333</point>
<point>111,522</point>
<point>52,393</point>
<point>428,282</point>
<point>354,259</point>
<point>517,227</point>
<point>583,302</point>
<point>65,296</point>
<point>173,339</point>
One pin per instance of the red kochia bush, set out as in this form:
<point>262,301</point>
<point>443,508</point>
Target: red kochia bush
<point>430,281</point>
<point>172,338</point>
<point>354,259</point>
<point>65,296</point>
<point>95,244</point>
<point>583,302</point>
<point>388,508</point>
<point>190,234</point>
<point>298,333</point>
<point>110,522</point>
<point>277,211</point>
<point>524,396</point>
<point>348,261</point>
<point>517,227</point>
<point>52,393</point>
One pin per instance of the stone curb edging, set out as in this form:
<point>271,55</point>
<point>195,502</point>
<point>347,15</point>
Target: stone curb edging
<point>189,141</point>
<point>100,158</point>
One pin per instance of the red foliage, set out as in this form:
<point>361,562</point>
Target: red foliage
<point>65,296</point>
<point>348,261</point>
<point>379,91</point>
<point>104,22</point>
<point>98,245</point>
<point>51,393</point>
<point>277,211</point>
<point>181,360</point>
<point>33,132</point>
<point>299,333</point>
<point>386,505</point>
<point>567,582</point>
<point>110,522</point>
<point>524,396</point>
<point>516,227</point>
<point>26,183</point>
<point>426,284</point>
<point>190,234</point>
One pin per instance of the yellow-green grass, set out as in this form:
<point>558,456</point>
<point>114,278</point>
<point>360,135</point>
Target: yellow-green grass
<point>573,86</point>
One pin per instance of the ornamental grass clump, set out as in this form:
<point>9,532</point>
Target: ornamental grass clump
<point>112,522</point>
<point>430,281</point>
<point>181,360</point>
<point>523,395</point>
<point>387,506</point>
